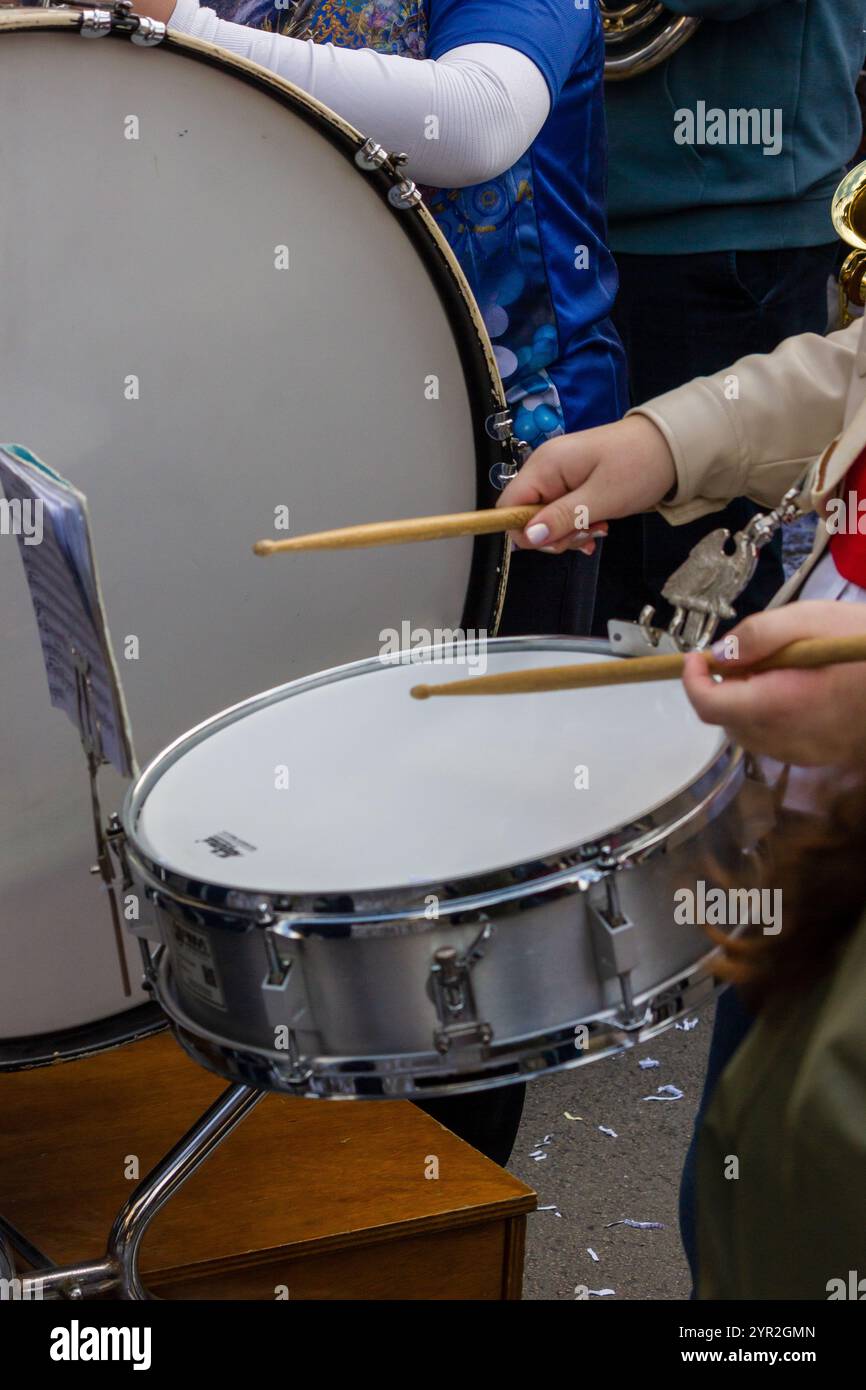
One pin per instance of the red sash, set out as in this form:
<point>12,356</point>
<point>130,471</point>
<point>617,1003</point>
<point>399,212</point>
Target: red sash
<point>847,525</point>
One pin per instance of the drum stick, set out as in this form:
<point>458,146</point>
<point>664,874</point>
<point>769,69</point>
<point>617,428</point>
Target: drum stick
<point>419,528</point>
<point>803,655</point>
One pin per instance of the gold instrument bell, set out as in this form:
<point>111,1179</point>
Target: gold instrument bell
<point>848,212</point>
<point>640,34</point>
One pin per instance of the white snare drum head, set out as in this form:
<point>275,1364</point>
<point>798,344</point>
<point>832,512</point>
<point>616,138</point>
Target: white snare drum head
<point>155,351</point>
<point>353,785</point>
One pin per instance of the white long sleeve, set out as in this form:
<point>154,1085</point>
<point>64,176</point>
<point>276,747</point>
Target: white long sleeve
<point>489,101</point>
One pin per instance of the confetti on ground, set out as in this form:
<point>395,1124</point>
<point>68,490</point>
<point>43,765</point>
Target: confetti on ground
<point>637,1225</point>
<point>667,1093</point>
<point>591,1253</point>
<point>553,1207</point>
<point>539,1155</point>
<point>687,1025</point>
<point>569,1116</point>
<point>601,1293</point>
<point>646,1062</point>
<point>612,1132</point>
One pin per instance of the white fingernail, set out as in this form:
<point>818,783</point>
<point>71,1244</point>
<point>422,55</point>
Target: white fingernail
<point>537,533</point>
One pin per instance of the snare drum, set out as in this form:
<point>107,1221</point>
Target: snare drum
<point>221,314</point>
<point>356,894</point>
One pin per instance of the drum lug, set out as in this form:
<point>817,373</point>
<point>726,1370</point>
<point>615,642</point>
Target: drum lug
<point>371,156</point>
<point>615,941</point>
<point>278,969</point>
<point>500,426</point>
<point>758,808</point>
<point>140,29</point>
<point>405,194</point>
<point>95,23</point>
<point>454,997</point>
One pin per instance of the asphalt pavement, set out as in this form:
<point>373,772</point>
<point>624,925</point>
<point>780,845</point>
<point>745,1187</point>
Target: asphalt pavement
<point>592,1178</point>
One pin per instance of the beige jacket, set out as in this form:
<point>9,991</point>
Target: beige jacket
<point>757,428</point>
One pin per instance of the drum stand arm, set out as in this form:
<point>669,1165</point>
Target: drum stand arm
<point>117,1271</point>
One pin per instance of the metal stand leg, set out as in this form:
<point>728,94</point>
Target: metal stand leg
<point>7,1259</point>
<point>118,1270</point>
<point>11,1240</point>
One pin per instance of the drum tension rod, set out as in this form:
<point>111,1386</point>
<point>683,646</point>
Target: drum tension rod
<point>120,19</point>
<point>404,195</point>
<point>615,940</point>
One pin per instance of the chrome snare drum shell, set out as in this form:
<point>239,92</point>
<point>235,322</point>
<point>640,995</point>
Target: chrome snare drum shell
<point>451,984</point>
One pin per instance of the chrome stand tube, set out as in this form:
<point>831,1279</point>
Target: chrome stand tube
<point>171,1173</point>
<point>118,1270</point>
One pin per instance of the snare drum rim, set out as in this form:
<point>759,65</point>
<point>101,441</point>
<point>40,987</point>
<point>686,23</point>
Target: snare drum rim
<point>485,594</point>
<point>397,909</point>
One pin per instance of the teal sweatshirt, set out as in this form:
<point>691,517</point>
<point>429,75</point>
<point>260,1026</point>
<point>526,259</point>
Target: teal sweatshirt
<point>737,142</point>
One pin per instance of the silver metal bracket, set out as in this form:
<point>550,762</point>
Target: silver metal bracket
<point>91,741</point>
<point>758,809</point>
<point>500,426</point>
<point>278,968</point>
<point>706,585</point>
<point>641,638</point>
<point>95,23</point>
<point>371,156</point>
<point>120,19</point>
<point>405,194</point>
<point>454,996</point>
<point>616,943</point>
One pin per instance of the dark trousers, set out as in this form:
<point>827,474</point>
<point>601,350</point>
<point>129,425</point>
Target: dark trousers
<point>686,316</point>
<point>488,1120</point>
<point>732,1023</point>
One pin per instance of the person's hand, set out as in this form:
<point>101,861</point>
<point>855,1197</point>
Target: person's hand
<point>808,718</point>
<point>590,478</point>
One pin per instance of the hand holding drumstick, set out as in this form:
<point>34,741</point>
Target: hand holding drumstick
<point>602,473</point>
<point>796,692</point>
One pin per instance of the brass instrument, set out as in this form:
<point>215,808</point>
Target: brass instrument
<point>639,34</point>
<point>848,212</point>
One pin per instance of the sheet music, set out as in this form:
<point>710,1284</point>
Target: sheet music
<point>50,519</point>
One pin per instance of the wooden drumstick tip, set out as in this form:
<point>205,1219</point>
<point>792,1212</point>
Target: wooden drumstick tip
<point>263,548</point>
<point>421,692</point>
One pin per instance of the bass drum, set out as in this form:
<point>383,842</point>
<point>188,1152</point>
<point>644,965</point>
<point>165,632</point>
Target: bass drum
<point>213,308</point>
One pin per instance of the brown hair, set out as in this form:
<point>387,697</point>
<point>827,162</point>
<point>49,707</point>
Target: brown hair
<point>820,866</point>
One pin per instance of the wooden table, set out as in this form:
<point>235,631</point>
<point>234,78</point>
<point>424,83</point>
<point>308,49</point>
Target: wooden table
<point>306,1199</point>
